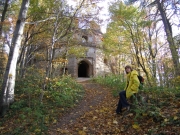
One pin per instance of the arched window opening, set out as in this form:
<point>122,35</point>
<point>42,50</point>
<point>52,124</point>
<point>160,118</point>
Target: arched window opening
<point>84,38</point>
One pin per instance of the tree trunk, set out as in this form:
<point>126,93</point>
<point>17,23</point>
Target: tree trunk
<point>159,69</point>
<point>168,31</point>
<point>22,61</point>
<point>50,54</point>
<point>7,93</point>
<point>3,15</point>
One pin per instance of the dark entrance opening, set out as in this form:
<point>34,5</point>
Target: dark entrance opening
<point>83,69</point>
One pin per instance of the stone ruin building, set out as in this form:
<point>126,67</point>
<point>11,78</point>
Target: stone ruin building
<point>93,64</point>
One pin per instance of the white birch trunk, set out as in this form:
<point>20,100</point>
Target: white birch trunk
<point>50,56</point>
<point>7,93</point>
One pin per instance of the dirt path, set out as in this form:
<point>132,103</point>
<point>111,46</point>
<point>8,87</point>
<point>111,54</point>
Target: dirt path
<point>83,118</point>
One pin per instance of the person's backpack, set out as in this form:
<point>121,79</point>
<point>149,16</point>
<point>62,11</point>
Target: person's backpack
<point>141,80</point>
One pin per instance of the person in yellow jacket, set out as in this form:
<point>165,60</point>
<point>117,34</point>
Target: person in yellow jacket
<point>132,86</point>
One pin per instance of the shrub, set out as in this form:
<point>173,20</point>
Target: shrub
<point>28,113</point>
<point>115,82</point>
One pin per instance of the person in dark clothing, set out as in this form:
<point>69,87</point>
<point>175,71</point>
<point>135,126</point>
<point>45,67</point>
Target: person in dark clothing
<point>132,86</point>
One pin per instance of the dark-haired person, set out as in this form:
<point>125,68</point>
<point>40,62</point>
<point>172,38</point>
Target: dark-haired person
<point>132,86</point>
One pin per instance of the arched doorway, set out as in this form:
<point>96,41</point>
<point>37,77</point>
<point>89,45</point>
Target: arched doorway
<point>83,69</point>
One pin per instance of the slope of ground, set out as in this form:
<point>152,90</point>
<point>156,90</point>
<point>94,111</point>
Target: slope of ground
<point>95,115</point>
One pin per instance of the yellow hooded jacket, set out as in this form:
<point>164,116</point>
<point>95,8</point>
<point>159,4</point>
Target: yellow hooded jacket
<point>132,83</point>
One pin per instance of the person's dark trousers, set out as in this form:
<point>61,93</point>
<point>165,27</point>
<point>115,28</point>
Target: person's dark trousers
<point>122,101</point>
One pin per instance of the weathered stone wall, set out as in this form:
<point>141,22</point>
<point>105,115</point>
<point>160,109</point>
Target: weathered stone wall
<point>101,68</point>
<point>72,66</point>
<point>94,56</point>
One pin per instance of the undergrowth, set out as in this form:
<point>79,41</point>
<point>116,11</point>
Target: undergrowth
<point>149,103</point>
<point>30,115</point>
<point>115,82</point>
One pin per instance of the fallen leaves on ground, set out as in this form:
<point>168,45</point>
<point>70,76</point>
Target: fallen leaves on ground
<point>101,119</point>
<point>95,115</point>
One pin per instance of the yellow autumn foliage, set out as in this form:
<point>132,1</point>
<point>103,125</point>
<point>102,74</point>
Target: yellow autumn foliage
<point>3,60</point>
<point>176,81</point>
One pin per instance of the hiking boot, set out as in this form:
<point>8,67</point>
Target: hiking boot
<point>128,108</point>
<point>118,113</point>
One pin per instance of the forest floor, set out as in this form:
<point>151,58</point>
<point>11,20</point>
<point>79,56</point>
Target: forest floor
<point>95,115</point>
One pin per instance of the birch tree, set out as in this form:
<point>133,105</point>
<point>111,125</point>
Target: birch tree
<point>61,28</point>
<point>7,92</point>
